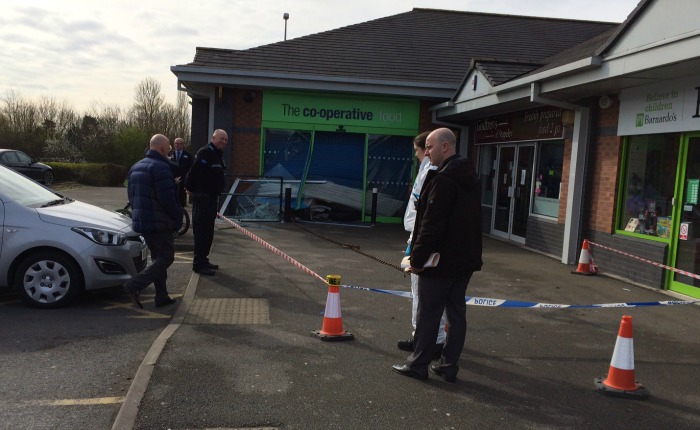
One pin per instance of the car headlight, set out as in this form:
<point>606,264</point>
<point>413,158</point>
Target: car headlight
<point>102,237</point>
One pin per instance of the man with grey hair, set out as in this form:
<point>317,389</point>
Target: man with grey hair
<point>448,222</point>
<point>205,182</point>
<point>156,214</point>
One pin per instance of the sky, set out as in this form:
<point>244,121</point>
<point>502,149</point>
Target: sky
<point>90,53</point>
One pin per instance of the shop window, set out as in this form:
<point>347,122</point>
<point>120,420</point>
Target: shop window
<point>326,172</point>
<point>389,161</point>
<point>550,158</point>
<point>487,163</point>
<point>648,185</point>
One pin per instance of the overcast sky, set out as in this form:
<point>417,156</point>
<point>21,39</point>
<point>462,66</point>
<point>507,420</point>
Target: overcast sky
<point>86,51</point>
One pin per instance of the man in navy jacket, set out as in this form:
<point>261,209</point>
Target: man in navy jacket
<point>156,214</point>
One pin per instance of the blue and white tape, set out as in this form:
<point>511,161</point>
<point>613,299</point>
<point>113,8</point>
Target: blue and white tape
<point>489,302</point>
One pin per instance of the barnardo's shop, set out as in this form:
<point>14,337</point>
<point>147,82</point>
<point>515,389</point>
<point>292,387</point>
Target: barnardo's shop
<point>579,130</point>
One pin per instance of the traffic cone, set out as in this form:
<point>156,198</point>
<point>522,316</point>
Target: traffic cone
<point>620,380</point>
<point>332,321</point>
<point>585,261</point>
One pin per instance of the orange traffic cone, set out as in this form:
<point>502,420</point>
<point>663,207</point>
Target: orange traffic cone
<point>585,261</point>
<point>620,380</point>
<point>332,321</point>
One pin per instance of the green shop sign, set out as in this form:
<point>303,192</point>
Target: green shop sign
<point>316,108</point>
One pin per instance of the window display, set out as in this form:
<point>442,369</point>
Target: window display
<point>647,188</point>
<point>548,180</point>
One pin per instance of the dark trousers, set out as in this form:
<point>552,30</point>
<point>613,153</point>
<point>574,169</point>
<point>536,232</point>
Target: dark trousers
<point>435,296</point>
<point>203,219</point>
<point>181,194</point>
<point>162,248</point>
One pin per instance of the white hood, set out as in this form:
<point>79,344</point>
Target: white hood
<point>78,213</point>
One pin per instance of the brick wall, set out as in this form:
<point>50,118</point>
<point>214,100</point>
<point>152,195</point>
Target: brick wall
<point>244,139</point>
<point>602,177</point>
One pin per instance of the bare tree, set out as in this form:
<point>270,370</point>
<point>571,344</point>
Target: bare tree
<point>148,105</point>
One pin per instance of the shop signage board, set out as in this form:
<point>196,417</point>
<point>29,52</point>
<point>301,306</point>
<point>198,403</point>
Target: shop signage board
<point>671,106</point>
<point>334,109</point>
<point>533,124</point>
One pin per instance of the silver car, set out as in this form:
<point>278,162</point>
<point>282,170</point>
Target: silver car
<point>53,248</point>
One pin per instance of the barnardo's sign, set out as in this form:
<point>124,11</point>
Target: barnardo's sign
<point>660,108</point>
<point>532,124</point>
<point>316,108</point>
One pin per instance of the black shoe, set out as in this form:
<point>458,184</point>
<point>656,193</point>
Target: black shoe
<point>436,370</point>
<point>437,351</point>
<point>204,271</point>
<point>407,371</point>
<point>134,294</point>
<point>212,266</point>
<point>406,345</point>
<point>164,302</point>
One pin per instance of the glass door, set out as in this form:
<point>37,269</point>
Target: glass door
<point>504,191</point>
<point>686,237</point>
<point>513,191</point>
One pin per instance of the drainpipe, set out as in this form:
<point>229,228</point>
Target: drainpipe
<point>579,150</point>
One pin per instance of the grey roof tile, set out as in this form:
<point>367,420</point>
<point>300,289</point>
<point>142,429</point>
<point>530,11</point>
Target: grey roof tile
<point>423,45</point>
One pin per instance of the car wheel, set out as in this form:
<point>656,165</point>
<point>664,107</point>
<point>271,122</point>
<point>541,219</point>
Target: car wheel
<point>48,280</point>
<point>48,177</point>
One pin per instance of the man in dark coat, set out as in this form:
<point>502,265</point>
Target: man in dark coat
<point>156,214</point>
<point>205,182</point>
<point>448,222</point>
<point>183,160</point>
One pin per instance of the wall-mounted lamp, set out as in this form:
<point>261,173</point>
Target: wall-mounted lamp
<point>341,129</point>
<point>605,102</point>
<point>568,117</point>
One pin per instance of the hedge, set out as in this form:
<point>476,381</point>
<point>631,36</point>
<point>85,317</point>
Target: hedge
<point>94,174</point>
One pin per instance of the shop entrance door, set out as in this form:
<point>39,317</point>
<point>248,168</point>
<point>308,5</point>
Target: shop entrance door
<point>513,191</point>
<point>686,237</point>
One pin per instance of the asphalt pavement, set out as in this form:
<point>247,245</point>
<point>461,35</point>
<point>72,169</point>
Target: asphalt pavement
<point>239,351</point>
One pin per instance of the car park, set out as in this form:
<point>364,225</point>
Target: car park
<point>53,248</point>
<point>26,165</point>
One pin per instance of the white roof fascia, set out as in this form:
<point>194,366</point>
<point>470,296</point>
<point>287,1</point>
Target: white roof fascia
<point>218,76</point>
<point>631,62</point>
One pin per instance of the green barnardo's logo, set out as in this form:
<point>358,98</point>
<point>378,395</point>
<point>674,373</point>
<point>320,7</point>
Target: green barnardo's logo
<point>640,120</point>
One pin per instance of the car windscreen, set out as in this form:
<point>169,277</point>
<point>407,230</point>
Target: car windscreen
<point>23,190</point>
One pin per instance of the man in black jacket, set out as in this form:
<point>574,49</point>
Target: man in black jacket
<point>205,182</point>
<point>448,222</point>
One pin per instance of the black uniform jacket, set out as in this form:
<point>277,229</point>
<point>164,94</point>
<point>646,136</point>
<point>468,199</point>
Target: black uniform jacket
<point>207,175</point>
<point>448,220</point>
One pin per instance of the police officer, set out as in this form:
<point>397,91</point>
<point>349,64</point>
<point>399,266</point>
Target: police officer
<point>205,182</point>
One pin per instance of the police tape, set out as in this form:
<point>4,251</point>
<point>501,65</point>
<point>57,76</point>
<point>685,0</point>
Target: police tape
<point>489,302</point>
<point>663,266</point>
<point>472,301</point>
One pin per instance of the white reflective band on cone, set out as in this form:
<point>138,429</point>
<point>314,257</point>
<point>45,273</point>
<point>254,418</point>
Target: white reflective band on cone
<point>623,356</point>
<point>332,306</point>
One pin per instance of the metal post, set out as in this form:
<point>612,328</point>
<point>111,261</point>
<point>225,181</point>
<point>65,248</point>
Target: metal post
<point>286,17</point>
<point>288,203</point>
<point>374,206</point>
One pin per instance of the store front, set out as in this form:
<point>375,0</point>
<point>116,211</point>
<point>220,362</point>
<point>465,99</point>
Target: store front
<point>521,156</point>
<point>660,174</point>
<point>333,150</point>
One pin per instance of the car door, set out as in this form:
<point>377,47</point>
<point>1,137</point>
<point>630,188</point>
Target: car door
<point>24,166</point>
